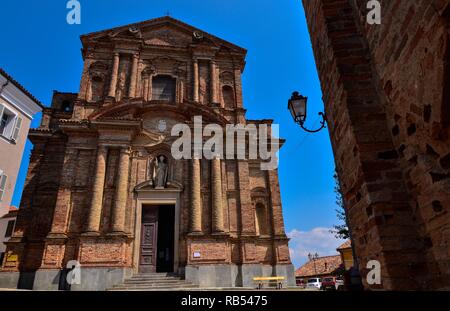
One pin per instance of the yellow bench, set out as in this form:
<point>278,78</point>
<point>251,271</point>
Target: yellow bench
<point>261,280</point>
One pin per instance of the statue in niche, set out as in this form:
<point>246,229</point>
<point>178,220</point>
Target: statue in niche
<point>160,172</point>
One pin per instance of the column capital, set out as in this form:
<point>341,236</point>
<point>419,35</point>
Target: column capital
<point>125,150</point>
<point>103,147</point>
<point>71,150</point>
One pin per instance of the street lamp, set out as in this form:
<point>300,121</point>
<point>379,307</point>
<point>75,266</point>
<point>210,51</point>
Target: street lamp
<point>297,106</point>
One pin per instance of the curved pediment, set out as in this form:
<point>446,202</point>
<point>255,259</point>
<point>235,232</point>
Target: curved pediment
<point>136,110</point>
<point>148,186</point>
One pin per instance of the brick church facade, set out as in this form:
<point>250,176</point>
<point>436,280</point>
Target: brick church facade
<point>387,97</point>
<point>103,188</point>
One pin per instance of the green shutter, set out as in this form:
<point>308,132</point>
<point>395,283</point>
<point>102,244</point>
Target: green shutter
<point>2,185</point>
<point>17,128</point>
<point>2,108</point>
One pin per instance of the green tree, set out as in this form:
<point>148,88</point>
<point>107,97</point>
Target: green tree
<point>340,230</point>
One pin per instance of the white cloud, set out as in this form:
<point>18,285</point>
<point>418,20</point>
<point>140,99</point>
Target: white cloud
<point>318,240</point>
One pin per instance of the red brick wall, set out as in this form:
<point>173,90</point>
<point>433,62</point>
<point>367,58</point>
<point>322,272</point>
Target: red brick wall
<point>384,91</point>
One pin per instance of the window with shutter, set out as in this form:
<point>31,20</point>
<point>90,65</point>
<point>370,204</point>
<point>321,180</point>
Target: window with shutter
<point>10,228</point>
<point>163,88</point>
<point>6,122</point>
<point>2,120</point>
<point>17,128</point>
<point>2,185</point>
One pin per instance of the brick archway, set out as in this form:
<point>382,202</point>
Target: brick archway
<point>383,91</point>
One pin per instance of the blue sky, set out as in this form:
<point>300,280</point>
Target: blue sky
<point>42,52</point>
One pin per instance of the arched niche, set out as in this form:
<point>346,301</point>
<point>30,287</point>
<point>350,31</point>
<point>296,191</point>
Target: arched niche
<point>228,98</point>
<point>97,81</point>
<point>262,216</point>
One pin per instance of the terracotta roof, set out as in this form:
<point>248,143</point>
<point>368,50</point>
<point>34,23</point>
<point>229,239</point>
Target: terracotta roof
<point>13,208</point>
<point>20,87</point>
<point>346,244</point>
<point>321,266</point>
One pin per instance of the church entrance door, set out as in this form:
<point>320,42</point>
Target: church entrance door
<point>157,239</point>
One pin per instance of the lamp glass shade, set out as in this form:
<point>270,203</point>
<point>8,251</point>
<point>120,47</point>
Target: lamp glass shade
<point>297,106</point>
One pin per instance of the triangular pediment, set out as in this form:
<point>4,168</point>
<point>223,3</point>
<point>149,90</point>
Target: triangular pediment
<point>164,31</point>
<point>166,35</point>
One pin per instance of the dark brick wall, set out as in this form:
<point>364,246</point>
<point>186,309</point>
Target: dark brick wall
<point>385,93</point>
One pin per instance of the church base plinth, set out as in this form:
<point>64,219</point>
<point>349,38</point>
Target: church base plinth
<point>47,279</point>
<point>212,275</point>
<point>100,279</point>
<point>226,275</point>
<point>91,279</point>
<point>9,280</point>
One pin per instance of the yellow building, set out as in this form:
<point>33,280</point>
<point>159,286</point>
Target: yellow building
<point>346,254</point>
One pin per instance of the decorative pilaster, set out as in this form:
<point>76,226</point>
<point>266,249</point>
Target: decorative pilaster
<point>118,221</point>
<point>278,221</point>
<point>196,207</point>
<point>62,208</point>
<point>217,210</point>
<point>133,79</point>
<point>145,87</point>
<point>238,86</point>
<point>115,73</point>
<point>196,80</point>
<point>213,70</point>
<point>97,192</point>
<point>247,211</point>
<point>150,87</point>
<point>84,85</point>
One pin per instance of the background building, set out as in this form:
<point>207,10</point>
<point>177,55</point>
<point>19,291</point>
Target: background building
<point>7,224</point>
<point>17,108</point>
<point>104,189</point>
<point>346,254</point>
<point>318,268</point>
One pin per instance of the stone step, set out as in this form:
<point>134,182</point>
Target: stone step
<point>154,274</point>
<point>155,287</point>
<point>131,283</point>
<point>152,284</point>
<point>152,280</point>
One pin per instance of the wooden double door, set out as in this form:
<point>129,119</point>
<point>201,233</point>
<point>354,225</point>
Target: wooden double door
<point>157,239</point>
